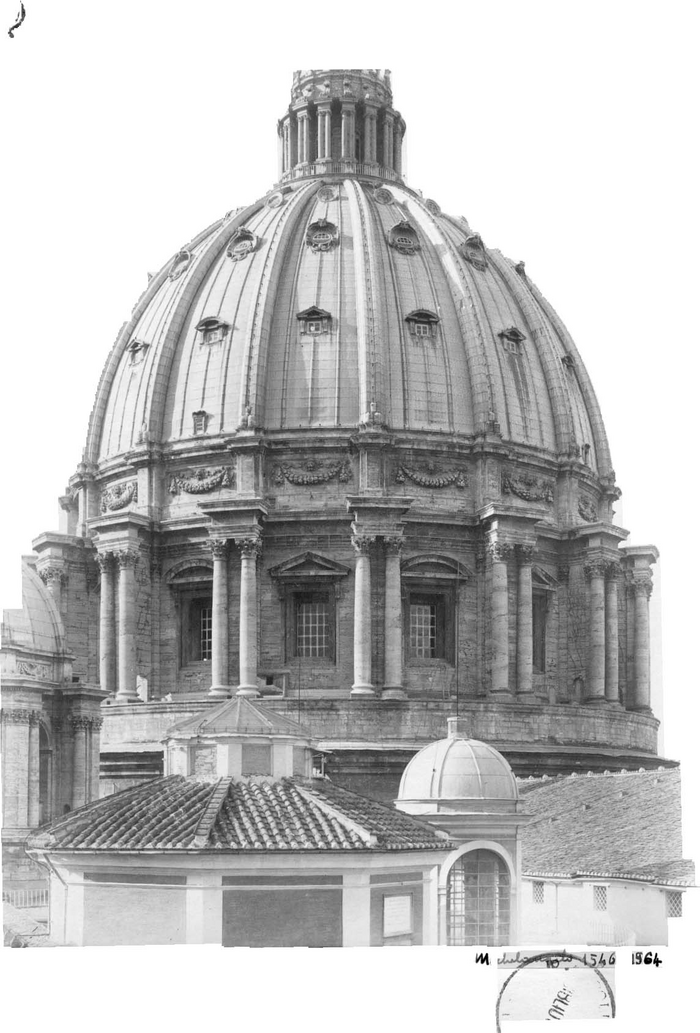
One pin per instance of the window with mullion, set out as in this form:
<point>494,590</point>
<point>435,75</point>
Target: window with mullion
<point>429,637</point>
<point>313,625</point>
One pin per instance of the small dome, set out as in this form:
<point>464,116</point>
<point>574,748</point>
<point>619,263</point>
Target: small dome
<point>37,627</point>
<point>457,770</point>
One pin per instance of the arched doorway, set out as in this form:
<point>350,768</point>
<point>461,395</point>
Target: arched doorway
<point>478,900</point>
<point>44,776</point>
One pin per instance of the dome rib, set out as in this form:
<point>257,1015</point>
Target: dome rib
<point>365,276</point>
<point>255,356</point>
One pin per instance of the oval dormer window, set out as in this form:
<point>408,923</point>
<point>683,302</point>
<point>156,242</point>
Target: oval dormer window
<point>180,263</point>
<point>321,235</point>
<point>241,244</point>
<point>404,239</point>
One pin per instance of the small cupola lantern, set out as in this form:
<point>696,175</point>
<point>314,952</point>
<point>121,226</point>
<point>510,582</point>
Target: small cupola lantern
<point>242,739</point>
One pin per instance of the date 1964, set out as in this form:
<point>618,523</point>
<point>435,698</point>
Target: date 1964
<point>649,958</point>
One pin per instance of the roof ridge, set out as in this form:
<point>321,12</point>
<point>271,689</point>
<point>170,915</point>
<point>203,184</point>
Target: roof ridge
<point>369,838</point>
<point>211,811</point>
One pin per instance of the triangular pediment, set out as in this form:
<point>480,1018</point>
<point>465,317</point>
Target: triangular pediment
<point>313,313</point>
<point>541,579</point>
<point>309,565</point>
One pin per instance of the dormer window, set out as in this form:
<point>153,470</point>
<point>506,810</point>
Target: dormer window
<point>422,323</point>
<point>241,244</point>
<point>404,238</point>
<point>568,362</point>
<point>512,340</point>
<point>137,352</point>
<point>213,330</point>
<point>200,420</point>
<point>180,263</point>
<point>321,235</point>
<point>314,321</point>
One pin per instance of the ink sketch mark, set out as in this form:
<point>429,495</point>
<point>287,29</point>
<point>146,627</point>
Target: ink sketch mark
<point>20,18</point>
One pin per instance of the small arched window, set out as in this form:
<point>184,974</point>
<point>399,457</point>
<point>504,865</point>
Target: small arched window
<point>422,323</point>
<point>213,330</point>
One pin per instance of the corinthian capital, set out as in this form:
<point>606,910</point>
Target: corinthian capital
<point>126,558</point>
<point>52,575</point>
<point>642,582</point>
<point>362,543</point>
<point>501,551</point>
<point>394,543</point>
<point>105,561</point>
<point>598,568</point>
<point>250,546</point>
<point>219,547</point>
<point>525,554</point>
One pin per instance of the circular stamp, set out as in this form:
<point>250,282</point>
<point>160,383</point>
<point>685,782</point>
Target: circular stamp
<point>557,985</point>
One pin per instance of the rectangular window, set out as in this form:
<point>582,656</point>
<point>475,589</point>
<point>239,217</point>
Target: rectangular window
<point>422,329</point>
<point>674,904</point>
<point>205,633</point>
<point>600,898</point>
<point>313,625</point>
<point>214,336</point>
<point>429,626</point>
<point>314,326</point>
<point>538,893</point>
<point>423,631</point>
<point>539,627</point>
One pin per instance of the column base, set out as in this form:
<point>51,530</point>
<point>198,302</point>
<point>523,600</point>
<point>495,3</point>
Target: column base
<point>127,697</point>
<point>394,692</point>
<point>527,697</point>
<point>595,701</point>
<point>221,691</point>
<point>362,690</point>
<point>501,693</point>
<point>249,691</point>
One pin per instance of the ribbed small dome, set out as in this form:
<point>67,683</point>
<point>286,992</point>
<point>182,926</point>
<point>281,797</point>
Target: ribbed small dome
<point>37,627</point>
<point>457,769</point>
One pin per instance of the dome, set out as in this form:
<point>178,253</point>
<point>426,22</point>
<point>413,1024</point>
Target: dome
<point>457,773</point>
<point>37,627</point>
<point>339,298</point>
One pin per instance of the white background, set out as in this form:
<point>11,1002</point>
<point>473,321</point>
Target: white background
<point>566,134</point>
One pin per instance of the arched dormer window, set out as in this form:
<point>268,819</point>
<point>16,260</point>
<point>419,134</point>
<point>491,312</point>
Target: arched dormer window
<point>403,238</point>
<point>512,340</point>
<point>422,323</point>
<point>180,263</point>
<point>314,321</point>
<point>213,330</point>
<point>241,244</point>
<point>322,235</point>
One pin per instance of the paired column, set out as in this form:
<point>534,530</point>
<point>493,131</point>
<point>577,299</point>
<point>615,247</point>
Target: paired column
<point>219,619</point>
<point>323,133</point>
<point>250,548</point>
<point>54,578</point>
<point>108,641</point>
<point>286,146</point>
<point>641,586</point>
<point>302,137</point>
<point>15,749</point>
<point>393,620</point>
<point>362,642</point>
<point>348,132</point>
<point>500,554</point>
<point>524,639</point>
<point>370,135</point>
<point>595,686</point>
<point>126,692</point>
<point>397,147</point>
<point>612,636</point>
<point>389,141</point>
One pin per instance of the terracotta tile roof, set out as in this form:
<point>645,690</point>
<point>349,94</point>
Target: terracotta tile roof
<point>179,813</point>
<point>617,826</point>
